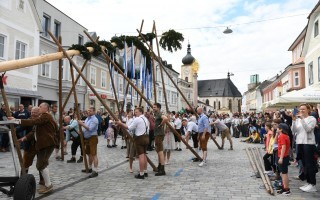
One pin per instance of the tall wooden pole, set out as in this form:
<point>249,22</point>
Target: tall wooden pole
<point>60,105</point>
<point>13,129</point>
<point>113,87</point>
<point>92,88</point>
<point>77,110</point>
<point>142,95</point>
<point>161,71</point>
<point>161,65</point>
<point>76,81</point>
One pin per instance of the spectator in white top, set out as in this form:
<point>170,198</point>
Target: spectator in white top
<point>177,125</point>
<point>303,127</point>
<point>191,130</point>
<point>140,126</point>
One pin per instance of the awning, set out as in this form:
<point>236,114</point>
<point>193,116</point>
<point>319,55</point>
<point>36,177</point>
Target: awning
<point>22,92</point>
<point>310,94</point>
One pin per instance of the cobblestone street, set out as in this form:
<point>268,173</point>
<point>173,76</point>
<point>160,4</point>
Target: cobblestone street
<point>227,175</point>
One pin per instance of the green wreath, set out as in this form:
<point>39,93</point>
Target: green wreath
<point>83,51</point>
<point>171,40</point>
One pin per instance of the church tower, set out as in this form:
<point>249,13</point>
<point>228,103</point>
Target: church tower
<point>186,68</point>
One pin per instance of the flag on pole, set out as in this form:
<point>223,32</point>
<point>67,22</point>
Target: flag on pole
<point>132,63</point>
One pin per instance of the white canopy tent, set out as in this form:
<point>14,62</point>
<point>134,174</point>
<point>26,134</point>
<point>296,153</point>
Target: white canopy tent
<point>310,94</point>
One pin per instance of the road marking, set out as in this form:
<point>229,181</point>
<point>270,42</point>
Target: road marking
<point>178,172</point>
<point>156,196</point>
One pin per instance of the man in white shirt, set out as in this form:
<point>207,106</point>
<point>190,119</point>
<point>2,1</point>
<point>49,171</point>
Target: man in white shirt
<point>140,126</point>
<point>191,130</point>
<point>177,125</point>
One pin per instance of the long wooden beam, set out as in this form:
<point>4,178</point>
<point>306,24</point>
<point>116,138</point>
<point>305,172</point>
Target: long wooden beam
<point>77,110</point>
<point>13,129</point>
<point>26,62</point>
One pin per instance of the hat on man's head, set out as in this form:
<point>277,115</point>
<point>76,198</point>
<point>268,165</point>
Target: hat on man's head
<point>284,127</point>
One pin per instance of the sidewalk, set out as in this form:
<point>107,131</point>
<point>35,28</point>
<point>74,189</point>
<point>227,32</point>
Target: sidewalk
<point>227,175</point>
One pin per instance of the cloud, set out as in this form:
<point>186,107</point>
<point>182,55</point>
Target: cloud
<point>253,48</point>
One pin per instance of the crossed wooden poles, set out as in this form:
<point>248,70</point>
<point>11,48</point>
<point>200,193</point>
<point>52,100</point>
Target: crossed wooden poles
<point>17,64</point>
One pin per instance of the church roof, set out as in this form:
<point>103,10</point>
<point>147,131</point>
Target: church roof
<point>188,59</point>
<point>217,88</point>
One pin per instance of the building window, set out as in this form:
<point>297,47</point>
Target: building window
<point>120,84</point>
<point>93,75</point>
<point>207,102</point>
<point>80,40</point>
<point>20,50</point>
<point>103,79</point>
<point>316,28</point>
<point>296,79</point>
<point>189,95</point>
<point>57,29</point>
<point>310,73</point>
<point>46,25</point>
<point>159,95</point>
<point>219,105</point>
<point>168,96</point>
<point>230,104</point>
<point>174,98</point>
<point>186,79</point>
<point>2,45</point>
<point>214,105</point>
<point>45,70</point>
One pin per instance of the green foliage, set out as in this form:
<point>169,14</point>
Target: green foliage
<point>171,40</point>
<point>83,51</point>
<point>96,48</point>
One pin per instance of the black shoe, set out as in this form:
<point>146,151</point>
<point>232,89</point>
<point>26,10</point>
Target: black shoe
<point>180,149</point>
<point>109,146</point>
<point>145,174</point>
<point>138,176</point>
<point>177,149</point>
<point>84,171</point>
<point>161,171</point>
<point>149,149</point>
<point>122,147</point>
<point>80,160</point>
<point>72,160</point>
<point>93,174</point>
<point>125,147</point>
<point>114,145</point>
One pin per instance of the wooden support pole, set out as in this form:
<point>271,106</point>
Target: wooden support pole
<point>61,132</point>
<point>91,87</point>
<point>77,110</point>
<point>148,102</point>
<point>261,172</point>
<point>161,71</point>
<point>114,88</point>
<point>161,65</point>
<point>13,129</point>
<point>265,175</point>
<point>26,62</point>
<point>254,167</point>
<point>76,81</point>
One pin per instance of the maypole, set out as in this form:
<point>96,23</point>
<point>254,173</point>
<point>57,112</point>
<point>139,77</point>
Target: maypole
<point>161,65</point>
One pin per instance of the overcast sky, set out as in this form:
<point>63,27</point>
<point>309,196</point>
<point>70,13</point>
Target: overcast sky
<point>263,30</point>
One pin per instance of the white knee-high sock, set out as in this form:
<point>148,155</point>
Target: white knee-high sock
<point>46,177</point>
